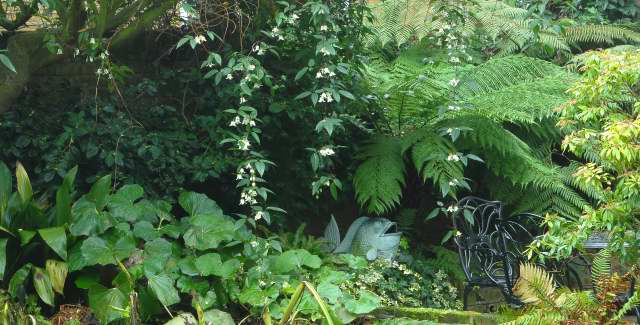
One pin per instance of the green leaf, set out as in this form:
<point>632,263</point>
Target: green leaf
<point>57,272</point>
<point>23,184</point>
<point>211,264</point>
<point>145,230</point>
<point>5,187</point>
<point>196,204</point>
<point>87,280</point>
<point>208,231</point>
<point>63,198</point>
<point>156,255</point>
<point>329,291</point>
<point>96,250</point>
<point>3,256</point>
<point>121,204</point>
<point>162,286</point>
<point>87,219</point>
<point>294,259</point>
<point>25,236</point>
<point>16,284</point>
<point>7,62</point>
<point>346,94</point>
<point>56,238</point>
<point>105,303</point>
<point>367,302</point>
<point>42,284</point>
<point>100,192</point>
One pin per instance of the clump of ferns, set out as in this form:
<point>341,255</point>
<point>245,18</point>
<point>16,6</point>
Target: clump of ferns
<point>548,304</point>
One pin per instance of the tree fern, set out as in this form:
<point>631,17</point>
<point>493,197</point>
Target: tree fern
<point>601,268</point>
<point>380,177</point>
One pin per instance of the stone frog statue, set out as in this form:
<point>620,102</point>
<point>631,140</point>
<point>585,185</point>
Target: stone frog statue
<point>370,237</point>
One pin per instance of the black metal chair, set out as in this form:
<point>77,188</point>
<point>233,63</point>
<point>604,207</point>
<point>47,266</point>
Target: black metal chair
<point>491,246</point>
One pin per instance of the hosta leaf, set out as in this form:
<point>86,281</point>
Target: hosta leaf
<point>56,238</point>
<point>3,256</point>
<point>57,272</point>
<point>23,183</point>
<point>42,284</point>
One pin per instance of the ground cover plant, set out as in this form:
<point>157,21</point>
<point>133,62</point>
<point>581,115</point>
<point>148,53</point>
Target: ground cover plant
<point>176,162</point>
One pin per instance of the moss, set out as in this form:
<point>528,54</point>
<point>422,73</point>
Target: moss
<point>439,316</point>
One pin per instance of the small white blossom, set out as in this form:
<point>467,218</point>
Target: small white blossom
<point>59,51</point>
<point>251,67</point>
<point>253,243</point>
<point>229,76</point>
<point>259,215</point>
<point>454,182</point>
<point>454,82</point>
<point>454,59</point>
<point>275,30</point>
<point>92,41</point>
<point>244,144</point>
<point>452,208</point>
<point>324,28</point>
<point>454,108</point>
<point>235,121</point>
<point>243,100</point>
<point>325,98</point>
<point>324,51</point>
<point>280,38</point>
<point>326,151</point>
<point>449,130</point>
<point>453,157</point>
<point>200,39</point>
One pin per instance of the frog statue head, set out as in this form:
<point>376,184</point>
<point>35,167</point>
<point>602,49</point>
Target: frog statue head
<point>370,237</point>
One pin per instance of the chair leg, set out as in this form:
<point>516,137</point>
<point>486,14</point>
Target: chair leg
<point>465,296</point>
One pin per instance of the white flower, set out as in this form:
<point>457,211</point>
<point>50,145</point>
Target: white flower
<point>449,130</point>
<point>248,121</point>
<point>238,176</point>
<point>324,28</point>
<point>262,283</point>
<point>324,51</point>
<point>92,41</point>
<point>243,100</point>
<point>325,97</point>
<point>318,75</point>
<point>454,182</point>
<point>200,39</point>
<point>244,144</point>
<point>259,215</point>
<point>453,157</point>
<point>280,38</point>
<point>275,30</point>
<point>454,82</point>
<point>454,108</point>
<point>59,51</point>
<point>295,17</point>
<point>235,121</point>
<point>255,48</point>
<point>253,243</point>
<point>229,76</point>
<point>99,71</point>
<point>452,208</point>
<point>454,59</point>
<point>326,151</point>
<point>251,67</point>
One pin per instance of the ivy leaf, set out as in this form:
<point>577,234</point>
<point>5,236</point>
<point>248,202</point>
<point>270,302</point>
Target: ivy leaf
<point>42,284</point>
<point>56,238</point>
<point>105,303</point>
<point>162,286</point>
<point>367,302</point>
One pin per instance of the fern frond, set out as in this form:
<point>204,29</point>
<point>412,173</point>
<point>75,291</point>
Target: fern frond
<point>534,285</point>
<point>380,177</point>
<point>631,303</point>
<point>601,268</point>
<point>599,34</point>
